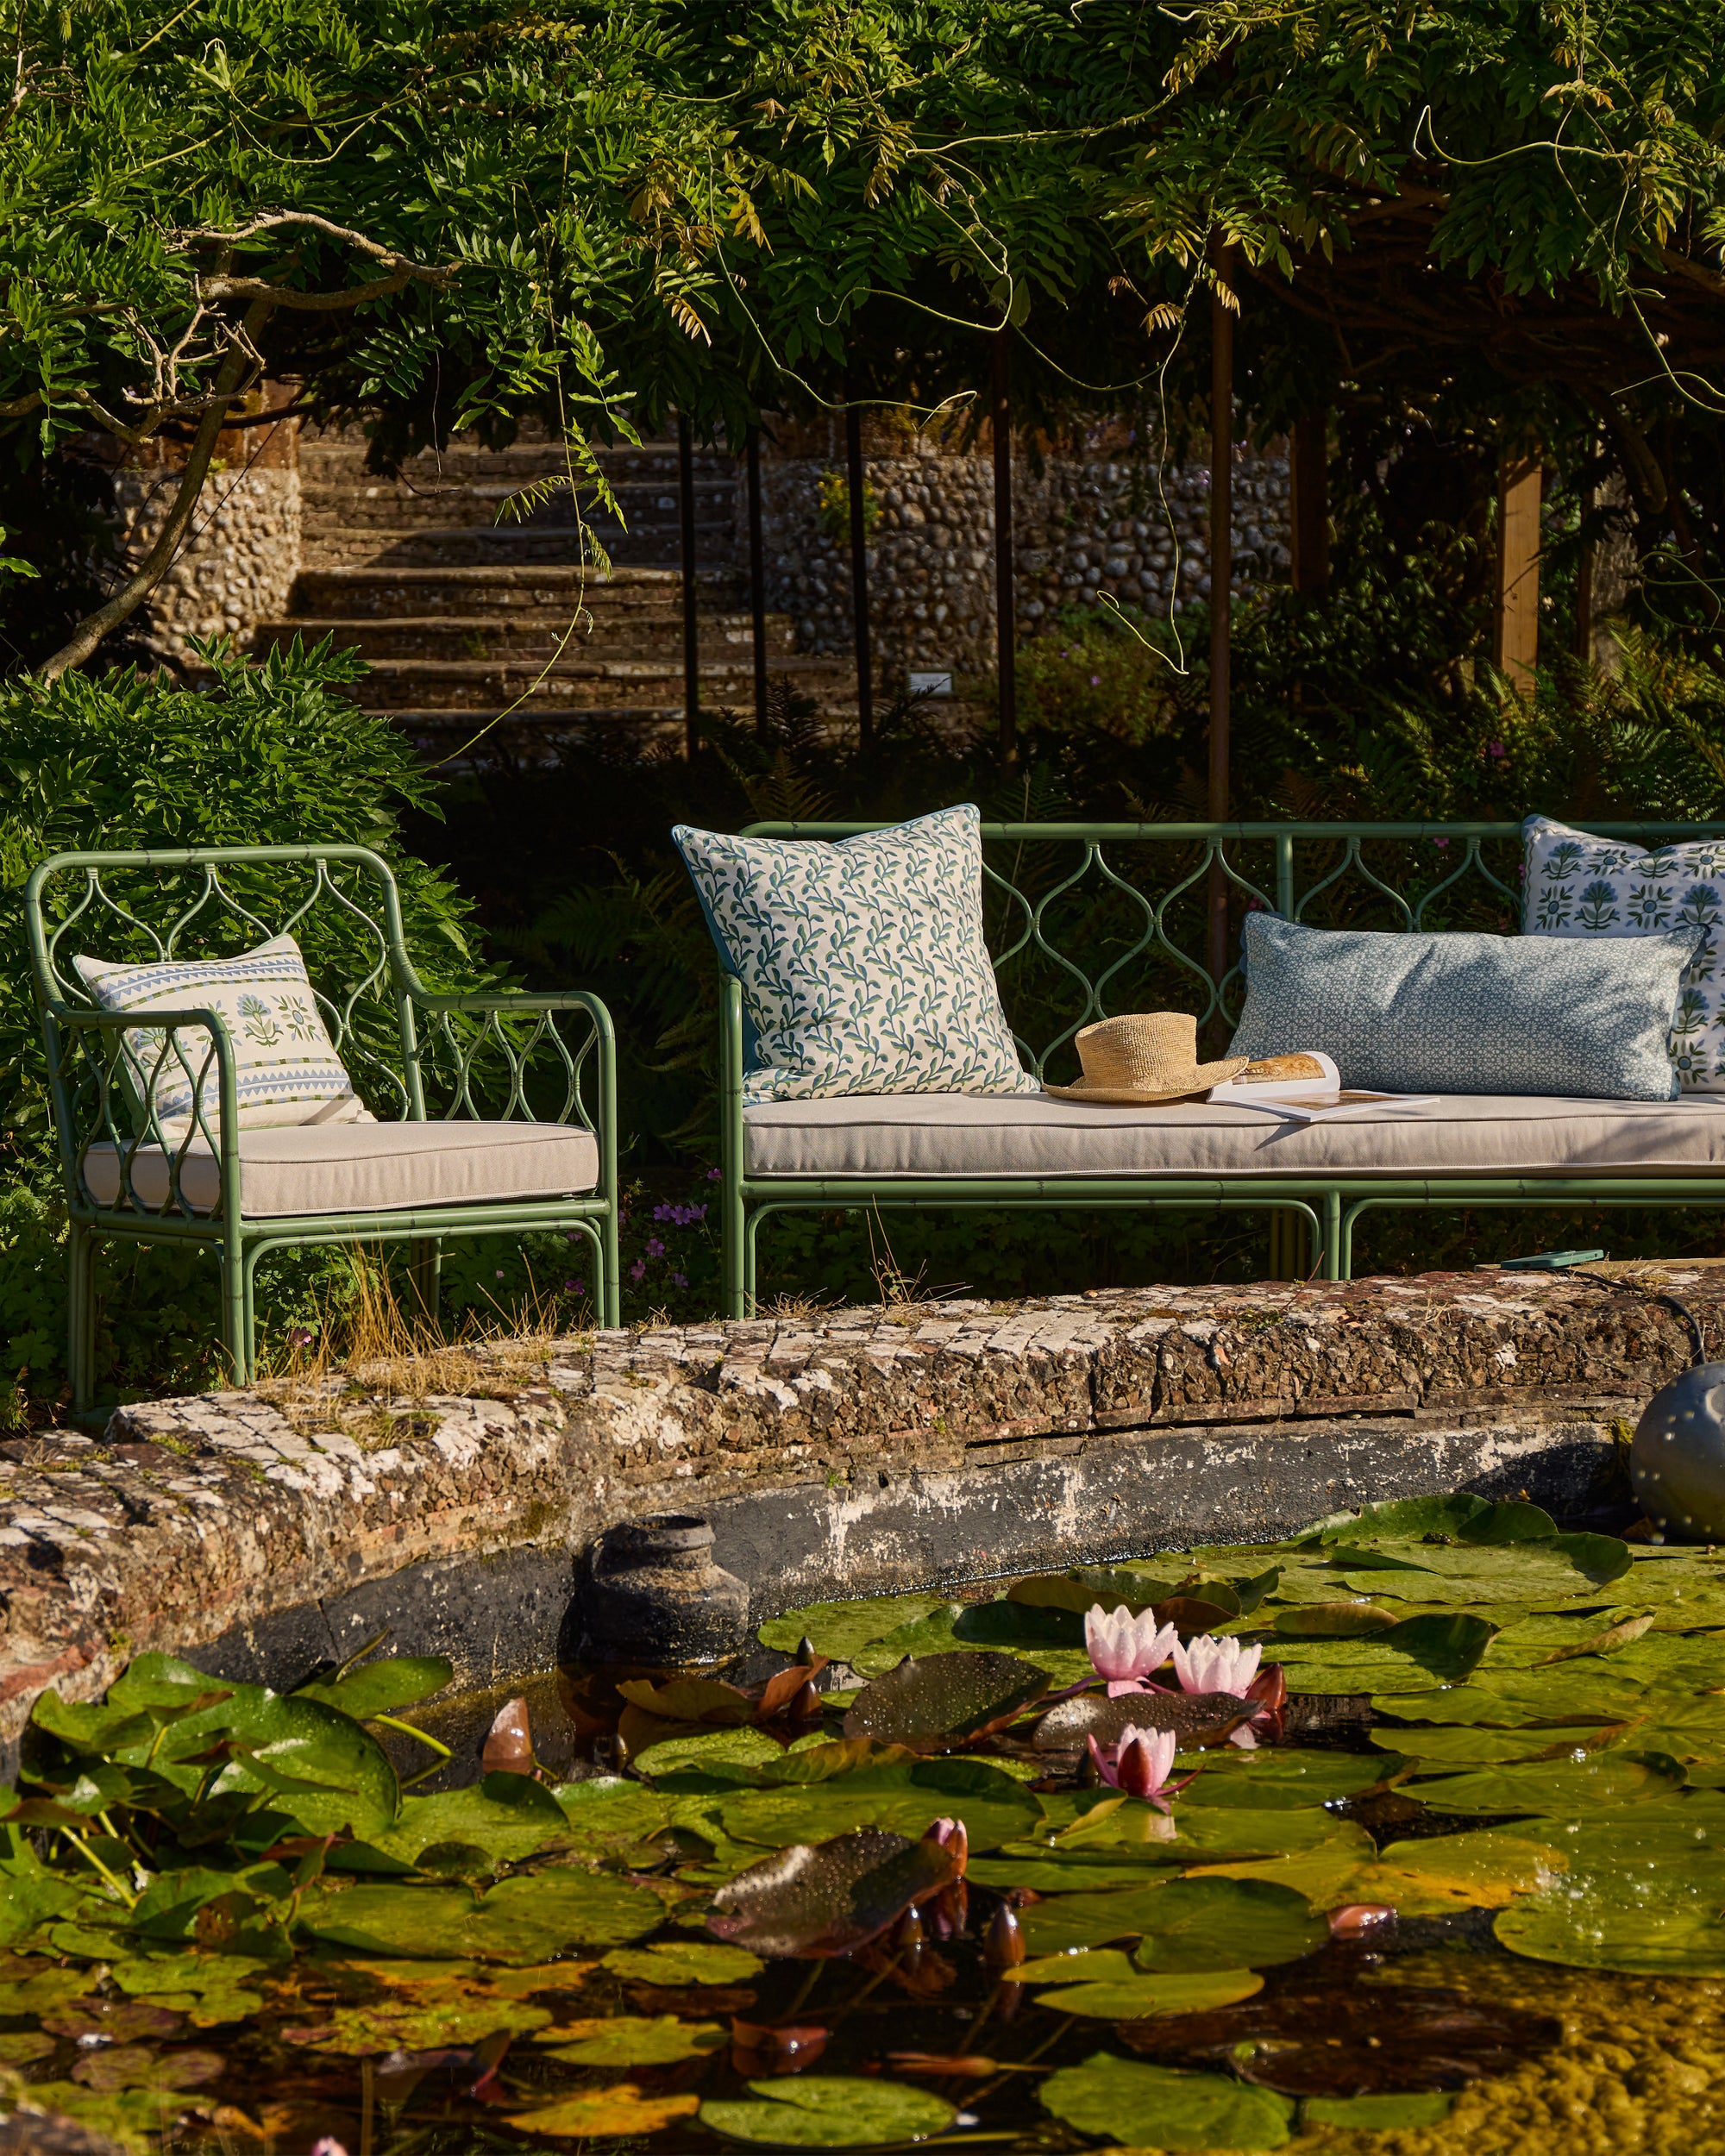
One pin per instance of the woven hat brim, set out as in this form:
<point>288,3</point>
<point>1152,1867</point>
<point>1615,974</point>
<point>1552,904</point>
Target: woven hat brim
<point>1203,1077</point>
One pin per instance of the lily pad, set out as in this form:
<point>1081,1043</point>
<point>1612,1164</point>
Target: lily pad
<point>679,1961</point>
<point>830,1898</point>
<point>607,1815</point>
<point>706,1751</point>
<point>908,1799</point>
<point>1124,2101</point>
<point>1461,1744</point>
<point>1434,1877</point>
<point>1333,1620</point>
<point>1411,1656</point>
<point>945,1701</point>
<point>628,2039</point>
<point>358,2032</point>
<point>522,1920</point>
<point>594,2114</point>
<point>829,2111</point>
<point>1227,1924</point>
<point>380,1687</point>
<point>841,1630</point>
<point>1280,1778</point>
<point>1562,1786</point>
<point>1644,1892</point>
<point>1197,1719</point>
<point>1377,2115</point>
<point>23,2047</point>
<point>1138,1997</point>
<point>507,1817</point>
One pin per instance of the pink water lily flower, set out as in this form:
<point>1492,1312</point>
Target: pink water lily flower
<point>1138,1765</point>
<point>1208,1665</point>
<point>1124,1649</point>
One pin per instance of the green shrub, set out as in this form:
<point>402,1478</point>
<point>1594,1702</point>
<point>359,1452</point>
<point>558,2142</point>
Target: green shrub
<point>264,755</point>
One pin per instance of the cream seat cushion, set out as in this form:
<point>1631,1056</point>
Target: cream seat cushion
<point>1030,1135</point>
<point>365,1168</point>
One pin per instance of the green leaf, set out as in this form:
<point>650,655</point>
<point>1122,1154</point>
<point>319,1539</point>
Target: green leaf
<point>1333,1620</point>
<point>509,1816</point>
<point>1411,1656</point>
<point>906,1799</point>
<point>1199,1923</point>
<point>1278,1777</point>
<point>1561,1786</point>
<point>815,2111</point>
<point>684,1961</point>
<point>629,2040</point>
<point>1161,2107</point>
<point>403,2024</point>
<point>1462,1745</point>
<point>829,1898</point>
<point>1138,1997</point>
<point>842,1630</point>
<point>1376,2114</point>
<point>707,1751</point>
<point>520,1920</point>
<point>380,1688</point>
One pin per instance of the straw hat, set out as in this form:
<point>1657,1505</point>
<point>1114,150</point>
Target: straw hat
<point>1136,1061</point>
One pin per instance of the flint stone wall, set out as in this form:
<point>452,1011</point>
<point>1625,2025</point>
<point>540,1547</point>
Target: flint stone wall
<point>1081,528</point>
<point>863,1451</point>
<point>239,567</point>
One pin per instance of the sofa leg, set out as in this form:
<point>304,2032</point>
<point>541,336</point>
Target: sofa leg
<point>1335,1262</point>
<point>80,1316</point>
<point>1290,1245</point>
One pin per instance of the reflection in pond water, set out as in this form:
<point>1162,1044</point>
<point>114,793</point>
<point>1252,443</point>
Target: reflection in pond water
<point>1407,1833</point>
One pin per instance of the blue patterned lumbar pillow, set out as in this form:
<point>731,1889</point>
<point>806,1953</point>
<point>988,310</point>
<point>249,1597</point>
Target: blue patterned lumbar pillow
<point>286,1069</point>
<point>1467,1013</point>
<point>1580,886</point>
<point>863,963</point>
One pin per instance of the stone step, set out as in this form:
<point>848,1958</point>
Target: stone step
<point>473,684</point>
<point>327,462</point>
<point>535,733</point>
<point>524,634</point>
<point>487,545</point>
<point>381,505</point>
<point>548,591</point>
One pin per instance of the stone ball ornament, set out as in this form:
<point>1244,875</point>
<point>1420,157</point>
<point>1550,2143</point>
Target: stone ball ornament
<point>1676,1465</point>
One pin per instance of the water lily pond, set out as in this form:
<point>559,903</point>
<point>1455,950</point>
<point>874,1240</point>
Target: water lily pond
<point>1407,1833</point>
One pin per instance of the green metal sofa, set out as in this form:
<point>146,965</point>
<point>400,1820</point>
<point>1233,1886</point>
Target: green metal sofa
<point>1086,920</point>
<point>491,1121</point>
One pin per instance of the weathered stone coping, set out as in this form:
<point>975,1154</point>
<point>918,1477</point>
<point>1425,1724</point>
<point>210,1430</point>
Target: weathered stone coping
<point>855,1450</point>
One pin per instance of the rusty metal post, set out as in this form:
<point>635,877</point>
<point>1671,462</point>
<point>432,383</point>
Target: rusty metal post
<point>859,570</point>
<point>1222,583</point>
<point>757,580</point>
<point>1005,607</point>
<point>685,500</point>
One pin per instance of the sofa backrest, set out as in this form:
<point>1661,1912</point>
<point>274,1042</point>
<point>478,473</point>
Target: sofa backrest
<point>1086,920</point>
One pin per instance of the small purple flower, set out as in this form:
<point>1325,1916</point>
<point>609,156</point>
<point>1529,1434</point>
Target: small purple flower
<point>1095,680</point>
<point>712,1177</point>
<point>499,1272</point>
<point>574,1287</point>
<point>1495,748</point>
<point>680,1280</point>
<point>301,1336</point>
<point>655,1247</point>
<point>638,1270</point>
<point>1441,843</point>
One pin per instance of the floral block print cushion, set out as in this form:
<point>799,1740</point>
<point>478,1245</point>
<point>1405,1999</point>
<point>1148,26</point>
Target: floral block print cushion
<point>286,1065</point>
<point>1577,885</point>
<point>863,963</point>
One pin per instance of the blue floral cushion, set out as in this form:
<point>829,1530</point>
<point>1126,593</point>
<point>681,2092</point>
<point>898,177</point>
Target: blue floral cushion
<point>286,1070</point>
<point>1577,885</point>
<point>1414,1012</point>
<point>863,963</point>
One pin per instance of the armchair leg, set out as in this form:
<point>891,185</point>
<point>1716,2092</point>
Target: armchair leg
<point>425,1273</point>
<point>738,1247</point>
<point>80,1316</point>
<point>234,1304</point>
<point>610,1253</point>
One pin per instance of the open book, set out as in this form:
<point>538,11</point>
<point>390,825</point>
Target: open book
<point>1303,1088</point>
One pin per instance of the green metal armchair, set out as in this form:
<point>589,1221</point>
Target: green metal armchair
<point>1085,920</point>
<point>497,1112</point>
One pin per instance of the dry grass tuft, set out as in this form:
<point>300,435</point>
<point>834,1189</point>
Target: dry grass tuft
<point>370,1368</point>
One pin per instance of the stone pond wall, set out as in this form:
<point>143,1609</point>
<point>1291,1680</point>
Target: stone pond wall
<point>1102,522</point>
<point>861,1451</point>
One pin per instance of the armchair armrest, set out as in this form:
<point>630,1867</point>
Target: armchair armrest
<point>142,1126</point>
<point>491,1011</point>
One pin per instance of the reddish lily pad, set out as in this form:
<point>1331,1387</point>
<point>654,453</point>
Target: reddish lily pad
<point>831,1898</point>
<point>946,1701</point>
<point>1197,1719</point>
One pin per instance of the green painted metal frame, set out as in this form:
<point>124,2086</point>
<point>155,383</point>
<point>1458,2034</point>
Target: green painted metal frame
<point>95,1095</point>
<point>1327,1207</point>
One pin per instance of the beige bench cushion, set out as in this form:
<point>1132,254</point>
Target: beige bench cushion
<point>1460,1134</point>
<point>365,1167</point>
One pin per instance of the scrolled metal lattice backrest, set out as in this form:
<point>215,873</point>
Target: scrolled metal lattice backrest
<point>1088,920</point>
<point>339,904</point>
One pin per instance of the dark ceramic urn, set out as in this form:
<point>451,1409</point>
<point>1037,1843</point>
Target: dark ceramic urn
<point>651,1593</point>
<point>1676,1465</point>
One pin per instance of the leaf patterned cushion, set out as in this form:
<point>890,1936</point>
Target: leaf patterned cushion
<point>286,1065</point>
<point>863,963</point>
<point>1576,884</point>
<point>1414,1011</point>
